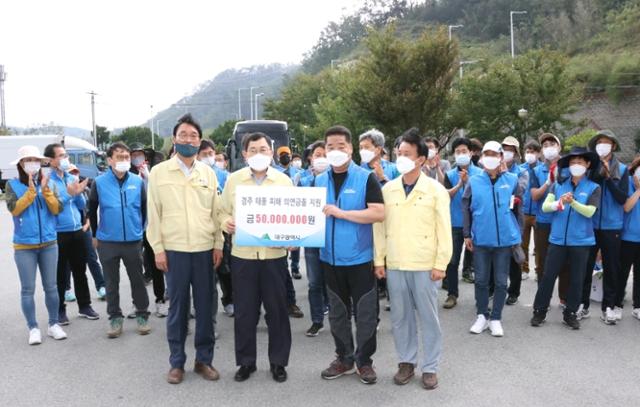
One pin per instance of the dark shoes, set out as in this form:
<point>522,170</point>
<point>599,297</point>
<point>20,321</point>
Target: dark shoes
<point>295,312</point>
<point>296,274</point>
<point>206,371</point>
<point>429,381</point>
<point>336,369</point>
<point>539,317</point>
<point>571,320</point>
<point>367,374</point>
<point>405,373</point>
<point>512,300</point>
<point>175,376</point>
<point>244,372</point>
<point>468,277</point>
<point>63,319</point>
<point>315,329</point>
<point>450,302</point>
<point>88,312</point>
<point>278,373</point>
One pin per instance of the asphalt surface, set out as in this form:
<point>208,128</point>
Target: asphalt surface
<point>547,366</point>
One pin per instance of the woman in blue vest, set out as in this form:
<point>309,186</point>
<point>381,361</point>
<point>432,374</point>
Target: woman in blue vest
<point>34,206</point>
<point>630,247</point>
<point>572,201</point>
<point>491,229</point>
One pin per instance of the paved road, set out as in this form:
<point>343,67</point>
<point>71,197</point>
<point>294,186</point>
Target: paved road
<point>549,366</point>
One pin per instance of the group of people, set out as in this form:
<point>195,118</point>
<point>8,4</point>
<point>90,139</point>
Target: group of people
<point>393,229</point>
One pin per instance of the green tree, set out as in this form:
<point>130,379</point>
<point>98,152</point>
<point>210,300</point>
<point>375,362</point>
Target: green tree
<point>487,104</point>
<point>104,137</point>
<point>403,83</point>
<point>223,132</point>
<point>579,139</point>
<point>134,134</point>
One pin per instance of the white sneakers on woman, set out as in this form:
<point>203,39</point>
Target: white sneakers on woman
<point>56,332</point>
<point>482,325</point>
<point>35,337</point>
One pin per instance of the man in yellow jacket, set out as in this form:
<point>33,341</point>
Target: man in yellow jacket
<point>258,274</point>
<point>415,243</point>
<point>184,233</point>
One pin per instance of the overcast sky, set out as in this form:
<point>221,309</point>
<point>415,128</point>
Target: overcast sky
<point>138,53</point>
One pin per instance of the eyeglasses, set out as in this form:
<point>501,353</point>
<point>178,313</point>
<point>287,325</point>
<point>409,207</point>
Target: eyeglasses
<point>188,138</point>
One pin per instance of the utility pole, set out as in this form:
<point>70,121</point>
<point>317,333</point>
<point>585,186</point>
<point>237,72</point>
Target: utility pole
<point>3,77</point>
<point>256,108</point>
<point>251,99</point>
<point>93,118</point>
<point>153,144</point>
<point>239,104</point>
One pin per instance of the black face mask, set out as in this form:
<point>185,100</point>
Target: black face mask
<point>475,159</point>
<point>285,159</point>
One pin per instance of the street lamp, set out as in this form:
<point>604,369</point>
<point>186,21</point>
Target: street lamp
<point>513,49</point>
<point>251,99</point>
<point>451,27</point>
<point>524,115</point>
<point>239,105</point>
<point>257,95</point>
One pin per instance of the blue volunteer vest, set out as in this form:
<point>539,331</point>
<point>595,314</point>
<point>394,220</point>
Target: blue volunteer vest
<point>69,219</point>
<point>389,169</point>
<point>529,206</point>
<point>493,222</point>
<point>347,243</point>
<point>568,227</point>
<point>120,208</point>
<point>631,226</point>
<point>610,214</point>
<point>35,225</point>
<point>456,200</point>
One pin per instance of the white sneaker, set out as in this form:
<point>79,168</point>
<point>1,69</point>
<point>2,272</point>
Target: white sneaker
<point>35,337</point>
<point>525,276</point>
<point>636,313</point>
<point>480,325</point>
<point>608,316</point>
<point>617,312</point>
<point>582,313</point>
<point>162,309</point>
<point>56,332</point>
<point>229,310</point>
<point>495,326</point>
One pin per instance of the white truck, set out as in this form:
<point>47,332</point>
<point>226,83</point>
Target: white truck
<point>83,154</point>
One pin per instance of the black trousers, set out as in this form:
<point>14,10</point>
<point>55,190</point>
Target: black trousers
<point>224,273</point>
<point>557,257</point>
<point>607,241</point>
<point>150,270</point>
<point>256,283</point>
<point>353,288</point>
<point>630,256</point>
<point>71,249</point>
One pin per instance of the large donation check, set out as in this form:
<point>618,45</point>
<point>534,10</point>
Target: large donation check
<point>280,216</point>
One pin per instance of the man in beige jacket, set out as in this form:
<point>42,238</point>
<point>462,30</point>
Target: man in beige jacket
<point>415,242</point>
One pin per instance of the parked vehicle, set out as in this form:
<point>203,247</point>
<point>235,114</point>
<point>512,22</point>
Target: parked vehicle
<point>277,130</point>
<point>83,154</point>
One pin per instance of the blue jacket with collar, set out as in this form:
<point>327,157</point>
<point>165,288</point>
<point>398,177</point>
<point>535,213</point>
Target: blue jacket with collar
<point>568,227</point>
<point>70,219</point>
<point>456,200</point>
<point>120,208</point>
<point>36,224</point>
<point>347,243</point>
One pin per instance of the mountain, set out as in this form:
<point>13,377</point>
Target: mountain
<point>216,101</point>
<point>52,129</point>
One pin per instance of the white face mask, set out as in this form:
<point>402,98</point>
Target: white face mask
<point>491,163</point>
<point>210,161</point>
<point>320,164</point>
<point>530,158</point>
<point>432,153</point>
<point>337,158</point>
<point>367,156</point>
<point>64,164</point>
<point>259,162</point>
<point>220,164</point>
<point>46,171</point>
<point>74,179</point>
<point>297,164</point>
<point>550,153</point>
<point>508,156</point>
<point>577,170</point>
<point>603,149</point>
<point>31,167</point>
<point>138,161</point>
<point>405,165</point>
<point>123,166</point>
<point>462,160</point>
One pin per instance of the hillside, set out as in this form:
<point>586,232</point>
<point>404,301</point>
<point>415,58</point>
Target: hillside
<point>216,101</point>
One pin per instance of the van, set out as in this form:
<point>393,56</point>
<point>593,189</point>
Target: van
<point>277,130</point>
